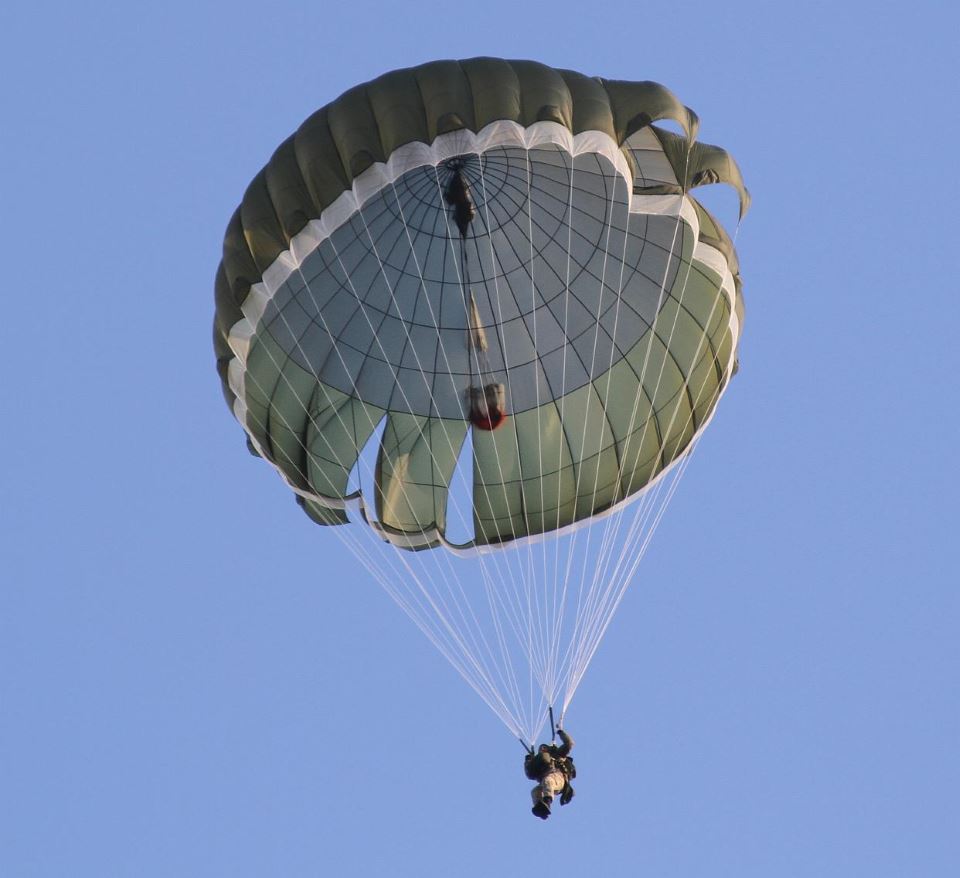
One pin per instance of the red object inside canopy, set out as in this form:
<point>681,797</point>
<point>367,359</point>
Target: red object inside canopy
<point>489,421</point>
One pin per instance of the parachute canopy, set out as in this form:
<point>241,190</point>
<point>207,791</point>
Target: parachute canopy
<point>484,267</point>
<point>341,300</point>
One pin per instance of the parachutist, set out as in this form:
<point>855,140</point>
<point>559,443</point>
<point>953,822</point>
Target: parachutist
<point>552,768</point>
<point>458,196</point>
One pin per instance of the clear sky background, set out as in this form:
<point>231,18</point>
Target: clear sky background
<point>196,681</point>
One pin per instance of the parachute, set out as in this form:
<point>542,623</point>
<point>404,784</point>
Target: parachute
<point>473,316</point>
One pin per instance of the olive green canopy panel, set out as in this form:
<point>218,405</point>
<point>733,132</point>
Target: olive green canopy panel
<point>588,285</point>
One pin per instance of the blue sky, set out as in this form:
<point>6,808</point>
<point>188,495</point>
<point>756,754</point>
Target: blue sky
<point>194,680</point>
